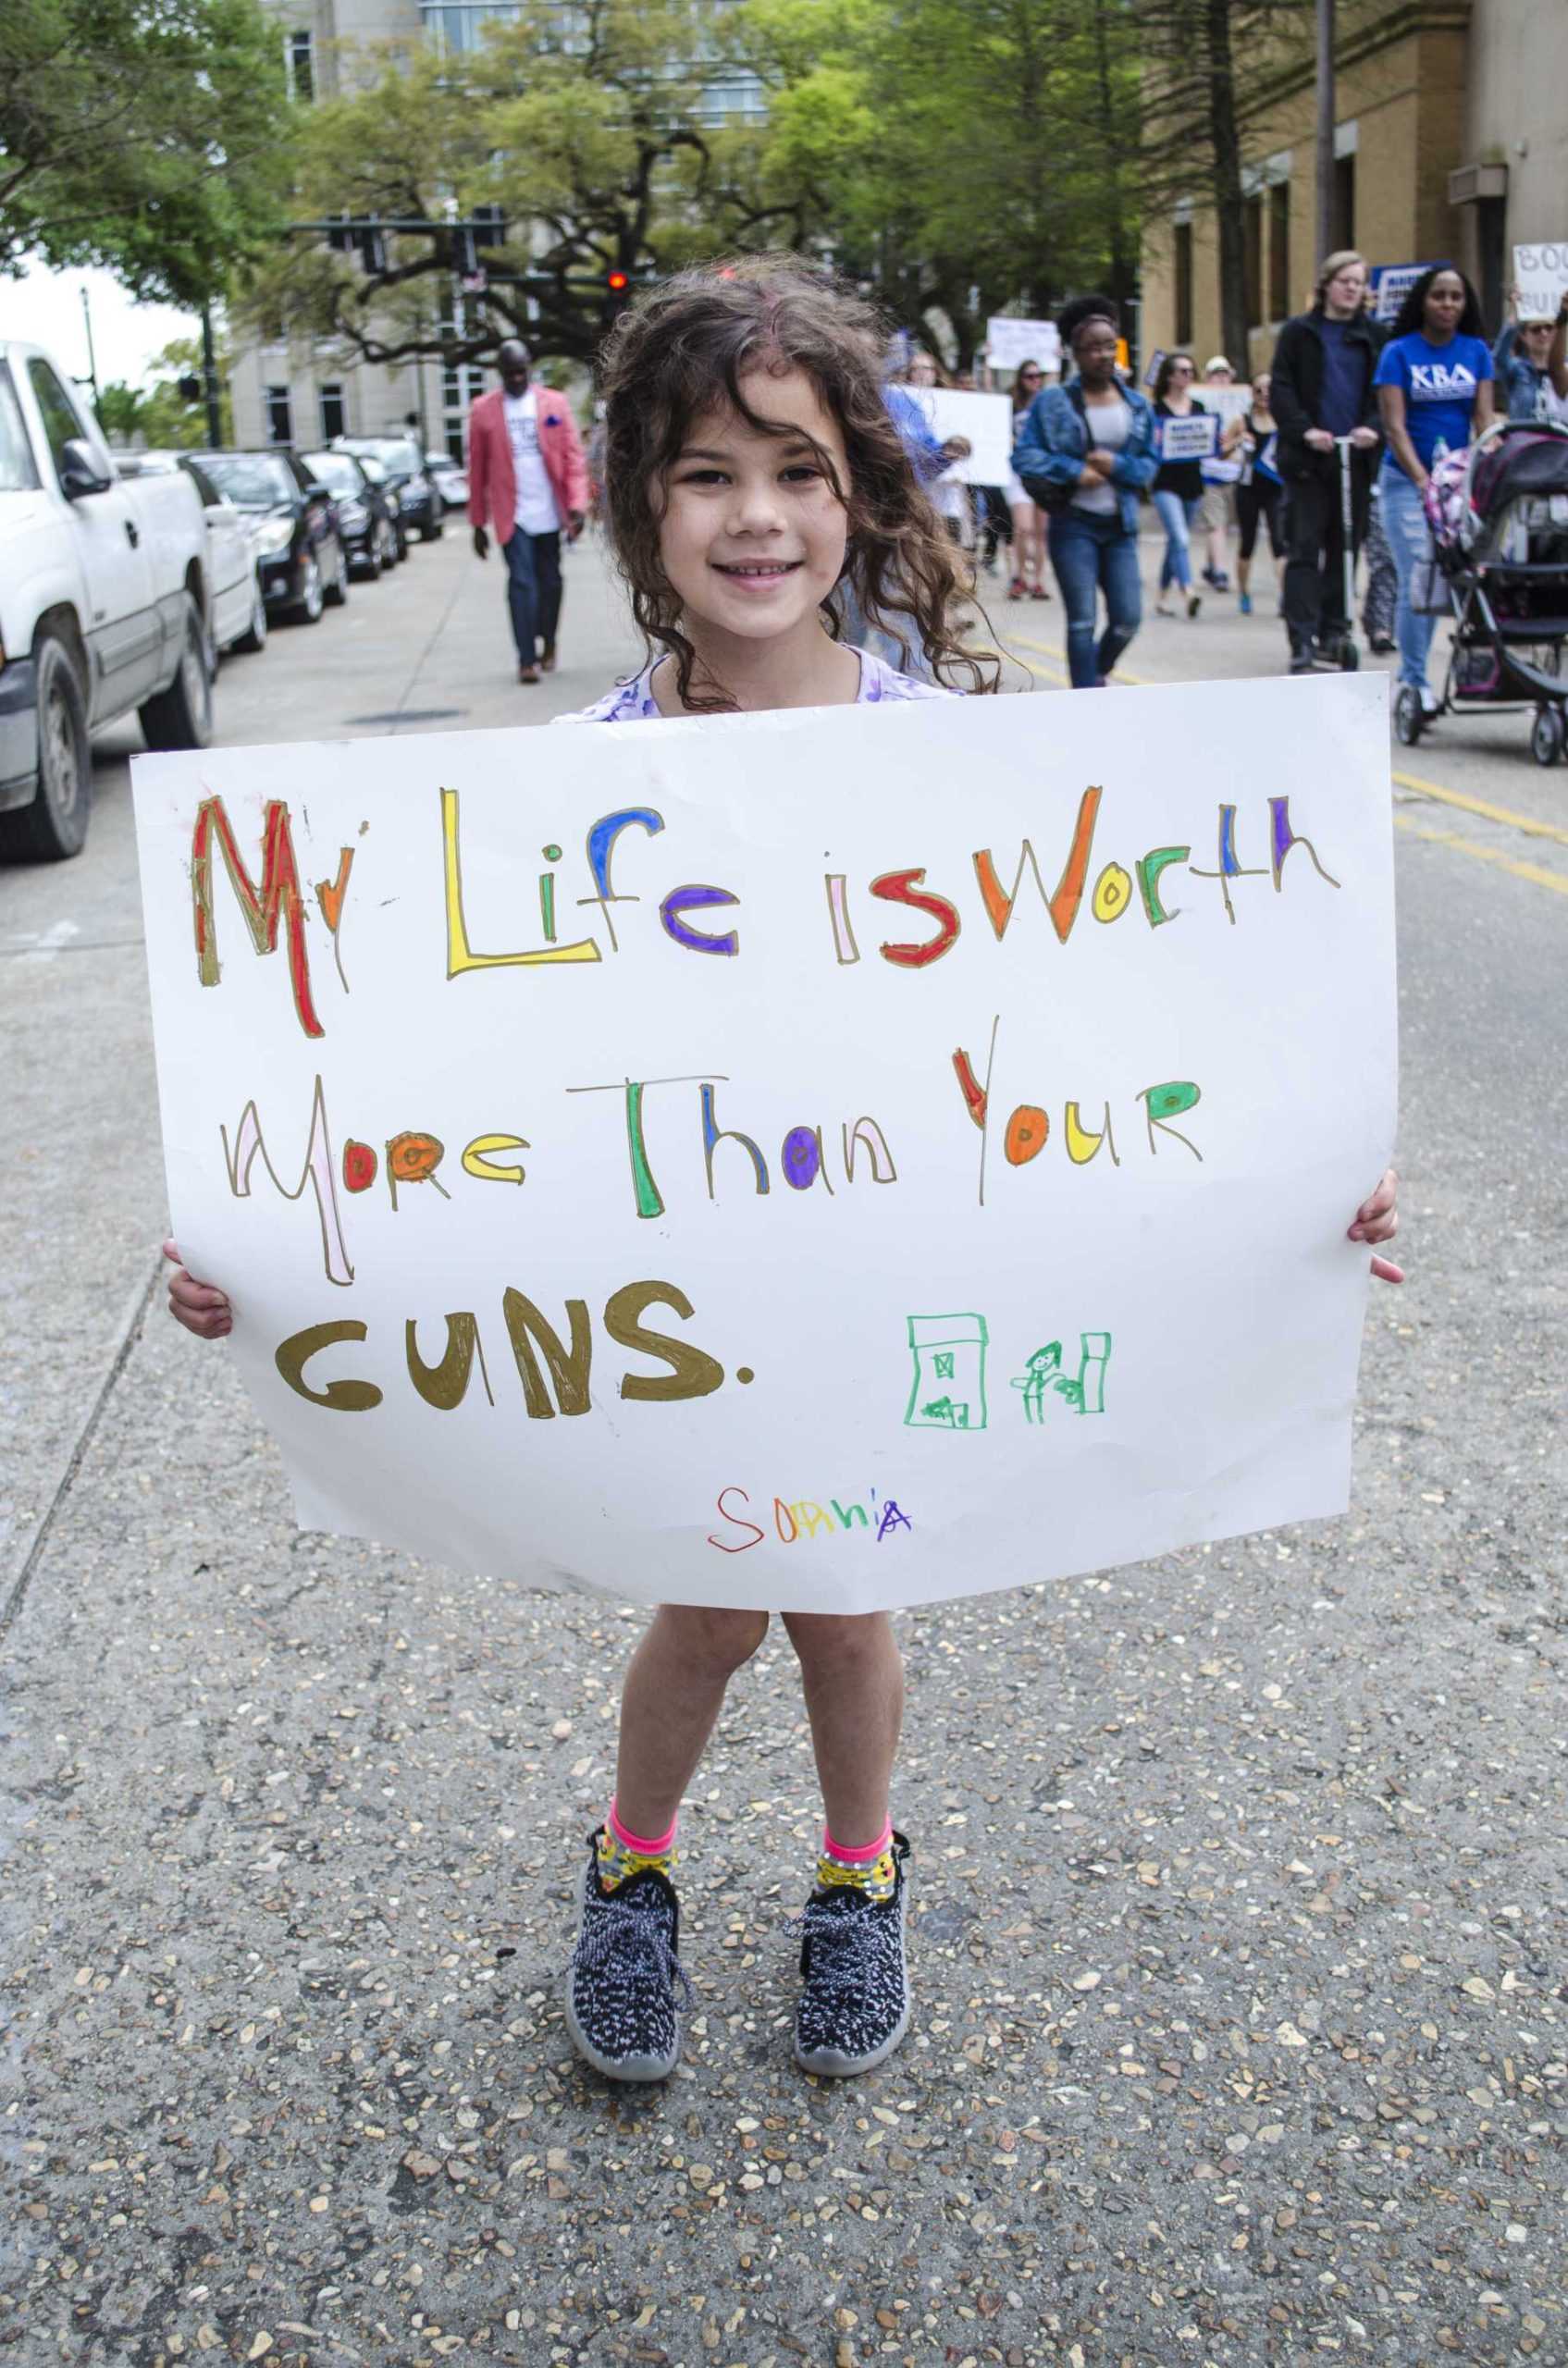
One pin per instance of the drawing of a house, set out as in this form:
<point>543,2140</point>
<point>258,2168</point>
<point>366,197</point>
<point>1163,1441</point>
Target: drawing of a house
<point>948,1389</point>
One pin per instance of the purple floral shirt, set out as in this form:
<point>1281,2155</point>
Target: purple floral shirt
<point>634,702</point>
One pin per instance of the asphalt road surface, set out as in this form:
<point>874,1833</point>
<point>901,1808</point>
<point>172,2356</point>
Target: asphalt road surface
<point>1239,1927</point>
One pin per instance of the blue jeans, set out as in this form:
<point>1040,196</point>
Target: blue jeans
<point>533,590</point>
<point>1093,552</point>
<point>1410,539</point>
<point>1176,517</point>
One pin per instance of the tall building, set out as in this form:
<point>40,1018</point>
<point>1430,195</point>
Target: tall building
<point>1451,142</point>
<point>296,391</point>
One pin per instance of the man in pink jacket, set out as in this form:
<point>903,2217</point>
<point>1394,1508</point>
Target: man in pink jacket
<point>529,476</point>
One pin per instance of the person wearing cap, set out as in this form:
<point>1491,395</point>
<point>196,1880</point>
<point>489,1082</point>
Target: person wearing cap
<point>1321,388</point>
<point>1521,359</point>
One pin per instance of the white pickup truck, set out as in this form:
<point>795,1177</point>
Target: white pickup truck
<point>103,607</point>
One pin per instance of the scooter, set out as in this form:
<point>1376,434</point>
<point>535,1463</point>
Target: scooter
<point>1343,652</point>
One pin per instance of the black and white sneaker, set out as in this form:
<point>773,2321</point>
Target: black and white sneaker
<point>623,1982</point>
<point>855,2006</point>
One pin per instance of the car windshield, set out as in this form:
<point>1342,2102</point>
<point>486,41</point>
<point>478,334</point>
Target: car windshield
<point>253,480</point>
<point>334,470</point>
<point>391,450</point>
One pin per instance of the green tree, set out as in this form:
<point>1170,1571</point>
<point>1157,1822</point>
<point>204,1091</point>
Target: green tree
<point>957,156</point>
<point>151,140</point>
<point>1211,69</point>
<point>586,128</point>
<point>158,410</point>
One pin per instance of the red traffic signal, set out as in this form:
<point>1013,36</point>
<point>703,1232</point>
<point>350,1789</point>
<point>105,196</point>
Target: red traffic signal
<point>617,282</point>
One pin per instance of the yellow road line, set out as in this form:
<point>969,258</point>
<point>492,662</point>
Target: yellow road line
<point>1556,881</point>
<point>1048,650</point>
<point>1041,673</point>
<point>1458,797</point>
<point>1479,806</point>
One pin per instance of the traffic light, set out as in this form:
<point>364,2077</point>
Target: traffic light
<point>617,282</point>
<point>489,227</point>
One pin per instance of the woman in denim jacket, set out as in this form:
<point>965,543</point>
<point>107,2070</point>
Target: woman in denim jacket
<point>1521,361</point>
<point>1084,453</point>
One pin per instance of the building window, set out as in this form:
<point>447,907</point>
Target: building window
<point>456,26</point>
<point>1184,283</point>
<point>1344,200</point>
<point>1252,261</point>
<point>332,421</point>
<point>299,67</point>
<point>279,416</point>
<point>1280,303</point>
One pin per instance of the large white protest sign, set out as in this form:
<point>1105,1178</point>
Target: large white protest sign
<point>985,422</point>
<point>820,1160</point>
<point>1011,342</point>
<point>1193,437</point>
<point>1540,274</point>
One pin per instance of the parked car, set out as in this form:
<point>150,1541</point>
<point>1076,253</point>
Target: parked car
<point>449,480</point>
<point>103,606</point>
<point>364,513</point>
<point>235,604</point>
<point>300,546</point>
<point>418,503</point>
<point>388,493</point>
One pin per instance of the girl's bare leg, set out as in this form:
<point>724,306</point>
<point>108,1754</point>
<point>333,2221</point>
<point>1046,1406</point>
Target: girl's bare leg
<point>853,1675</point>
<point>670,1701</point>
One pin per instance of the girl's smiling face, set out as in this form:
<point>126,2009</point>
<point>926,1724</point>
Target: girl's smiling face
<point>753,534</point>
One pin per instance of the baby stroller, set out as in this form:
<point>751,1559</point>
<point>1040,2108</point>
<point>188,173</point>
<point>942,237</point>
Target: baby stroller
<point>1499,515</point>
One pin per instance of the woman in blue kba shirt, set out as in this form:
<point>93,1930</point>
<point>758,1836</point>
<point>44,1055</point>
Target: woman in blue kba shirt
<point>1434,388</point>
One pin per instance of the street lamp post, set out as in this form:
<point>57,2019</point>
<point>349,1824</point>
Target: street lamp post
<point>209,381</point>
<point>91,357</point>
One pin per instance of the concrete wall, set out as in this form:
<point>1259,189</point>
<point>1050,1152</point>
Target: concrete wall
<point>1516,110</point>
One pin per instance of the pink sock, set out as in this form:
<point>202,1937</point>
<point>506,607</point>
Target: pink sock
<point>863,1856</point>
<point>635,1842</point>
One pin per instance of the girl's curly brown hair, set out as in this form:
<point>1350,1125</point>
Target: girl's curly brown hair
<point>683,348</point>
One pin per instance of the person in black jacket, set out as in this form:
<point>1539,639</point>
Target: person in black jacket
<point>1322,388</point>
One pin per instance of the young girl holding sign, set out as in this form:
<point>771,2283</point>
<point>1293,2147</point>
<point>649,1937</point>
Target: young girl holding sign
<point>751,468</point>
